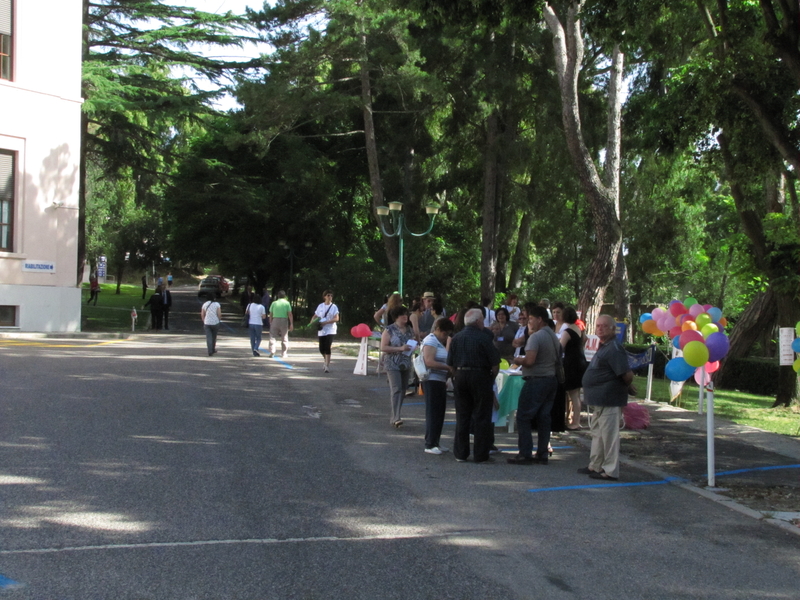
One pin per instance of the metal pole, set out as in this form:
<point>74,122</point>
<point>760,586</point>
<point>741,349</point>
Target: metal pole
<point>649,381</point>
<point>712,481</point>
<point>402,250</point>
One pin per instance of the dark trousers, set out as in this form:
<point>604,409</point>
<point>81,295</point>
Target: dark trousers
<point>474,396</point>
<point>156,319</point>
<point>165,312</point>
<point>435,407</point>
<point>535,402</point>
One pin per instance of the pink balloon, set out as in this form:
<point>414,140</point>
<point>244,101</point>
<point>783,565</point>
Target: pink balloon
<point>361,330</point>
<point>712,366</point>
<point>707,306</point>
<point>698,377</point>
<point>696,309</point>
<point>691,335</point>
<point>675,332</point>
<point>686,317</point>
<point>658,313</point>
<point>677,308</point>
<point>666,322</point>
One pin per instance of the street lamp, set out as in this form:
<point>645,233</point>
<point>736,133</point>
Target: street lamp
<point>291,256</point>
<point>397,228</point>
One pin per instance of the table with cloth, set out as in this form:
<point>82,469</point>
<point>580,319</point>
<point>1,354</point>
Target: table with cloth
<point>509,385</point>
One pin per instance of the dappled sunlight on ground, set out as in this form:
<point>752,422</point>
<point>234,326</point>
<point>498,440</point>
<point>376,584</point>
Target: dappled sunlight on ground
<point>74,515</point>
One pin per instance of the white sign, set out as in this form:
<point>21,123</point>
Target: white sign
<point>38,266</point>
<point>591,347</point>
<point>785,346</point>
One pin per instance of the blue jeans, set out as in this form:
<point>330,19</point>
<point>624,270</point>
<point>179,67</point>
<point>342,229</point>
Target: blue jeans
<point>255,336</point>
<point>211,338</point>
<point>535,402</point>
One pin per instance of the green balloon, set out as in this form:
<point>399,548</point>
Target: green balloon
<point>695,354</point>
<point>797,329</point>
<point>689,302</point>
<point>703,319</point>
<point>708,329</point>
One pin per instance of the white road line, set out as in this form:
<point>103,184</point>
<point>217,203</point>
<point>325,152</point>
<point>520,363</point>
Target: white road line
<point>263,542</point>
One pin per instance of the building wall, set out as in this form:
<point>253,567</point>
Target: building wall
<point>41,123</point>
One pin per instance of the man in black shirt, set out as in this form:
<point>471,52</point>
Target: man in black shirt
<point>477,362</point>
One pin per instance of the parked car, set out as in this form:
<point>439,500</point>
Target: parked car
<point>212,287</point>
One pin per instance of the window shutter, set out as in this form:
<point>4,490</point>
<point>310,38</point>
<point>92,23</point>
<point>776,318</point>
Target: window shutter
<point>5,17</point>
<point>6,176</point>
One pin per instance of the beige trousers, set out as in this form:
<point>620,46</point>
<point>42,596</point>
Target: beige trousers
<point>604,426</point>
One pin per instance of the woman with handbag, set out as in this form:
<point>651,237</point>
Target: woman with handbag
<point>326,316</point>
<point>434,353</point>
<point>395,346</point>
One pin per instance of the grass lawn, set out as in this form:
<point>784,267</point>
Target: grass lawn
<point>739,407</point>
<point>113,312</point>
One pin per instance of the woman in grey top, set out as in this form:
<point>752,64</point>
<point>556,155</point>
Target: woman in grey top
<point>394,344</point>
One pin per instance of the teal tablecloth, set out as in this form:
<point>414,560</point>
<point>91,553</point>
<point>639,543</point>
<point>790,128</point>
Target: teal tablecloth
<point>508,397</point>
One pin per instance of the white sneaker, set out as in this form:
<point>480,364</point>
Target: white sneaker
<point>444,449</point>
<point>433,450</point>
<point>325,368</point>
<point>285,355</point>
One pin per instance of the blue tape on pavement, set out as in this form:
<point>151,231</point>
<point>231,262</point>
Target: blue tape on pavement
<point>737,471</point>
<point>608,485</point>
<point>6,583</point>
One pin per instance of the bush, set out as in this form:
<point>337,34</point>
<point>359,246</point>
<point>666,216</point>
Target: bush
<point>753,375</point>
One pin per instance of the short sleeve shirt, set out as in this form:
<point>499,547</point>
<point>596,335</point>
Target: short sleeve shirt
<point>331,310</point>
<point>280,309</point>
<point>544,342</point>
<point>212,313</point>
<point>602,383</point>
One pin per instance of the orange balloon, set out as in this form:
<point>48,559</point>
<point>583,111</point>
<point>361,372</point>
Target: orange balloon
<point>689,325</point>
<point>723,321</point>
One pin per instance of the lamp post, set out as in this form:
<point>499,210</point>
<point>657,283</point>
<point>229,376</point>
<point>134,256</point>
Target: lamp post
<point>291,256</point>
<point>397,228</point>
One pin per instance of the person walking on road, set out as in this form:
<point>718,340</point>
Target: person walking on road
<point>166,305</point>
<point>256,315</point>
<point>326,317</point>
<point>281,323</point>
<point>476,362</point>
<point>606,385</point>
<point>542,354</point>
<point>156,309</point>
<point>211,314</point>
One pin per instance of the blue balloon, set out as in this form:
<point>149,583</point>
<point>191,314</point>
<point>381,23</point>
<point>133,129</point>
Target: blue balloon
<point>796,345</point>
<point>715,314</point>
<point>645,317</point>
<point>676,341</point>
<point>678,369</point>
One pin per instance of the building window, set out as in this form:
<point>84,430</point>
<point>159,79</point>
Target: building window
<point>8,316</point>
<point>6,40</point>
<point>6,201</point>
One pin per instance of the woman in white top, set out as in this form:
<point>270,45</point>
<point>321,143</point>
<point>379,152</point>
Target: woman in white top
<point>326,316</point>
<point>434,352</point>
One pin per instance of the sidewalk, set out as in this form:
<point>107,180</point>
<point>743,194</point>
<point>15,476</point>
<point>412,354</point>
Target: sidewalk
<point>757,469</point>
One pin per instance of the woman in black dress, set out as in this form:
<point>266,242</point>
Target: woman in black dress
<point>574,366</point>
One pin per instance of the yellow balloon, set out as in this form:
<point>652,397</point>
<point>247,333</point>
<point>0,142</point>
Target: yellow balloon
<point>796,366</point>
<point>695,354</point>
<point>703,319</point>
<point>503,364</point>
<point>797,328</point>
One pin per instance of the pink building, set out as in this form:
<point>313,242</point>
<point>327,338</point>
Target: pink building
<point>40,96</point>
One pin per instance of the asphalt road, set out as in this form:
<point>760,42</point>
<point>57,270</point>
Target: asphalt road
<point>144,469</point>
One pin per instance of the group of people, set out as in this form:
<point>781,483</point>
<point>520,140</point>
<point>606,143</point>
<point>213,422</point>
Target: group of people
<point>545,343</point>
<point>159,303</point>
<point>260,312</point>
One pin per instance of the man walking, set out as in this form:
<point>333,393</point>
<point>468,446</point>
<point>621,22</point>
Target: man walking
<point>166,305</point>
<point>476,362</point>
<point>542,354</point>
<point>281,323</point>
<point>211,313</point>
<point>606,385</point>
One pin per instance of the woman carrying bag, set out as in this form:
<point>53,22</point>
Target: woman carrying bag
<point>326,317</point>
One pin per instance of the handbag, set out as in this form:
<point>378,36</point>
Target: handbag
<point>319,322</point>
<point>421,368</point>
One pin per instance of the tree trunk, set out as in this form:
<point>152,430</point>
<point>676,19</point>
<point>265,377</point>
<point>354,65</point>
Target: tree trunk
<point>788,314</point>
<point>519,259</point>
<point>491,201</point>
<point>622,303</point>
<point>603,198</point>
<point>391,247</point>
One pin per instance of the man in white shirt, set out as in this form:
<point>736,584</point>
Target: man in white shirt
<point>211,313</point>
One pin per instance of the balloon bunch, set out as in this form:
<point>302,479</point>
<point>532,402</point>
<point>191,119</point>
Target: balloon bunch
<point>696,329</point>
<point>796,348</point>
